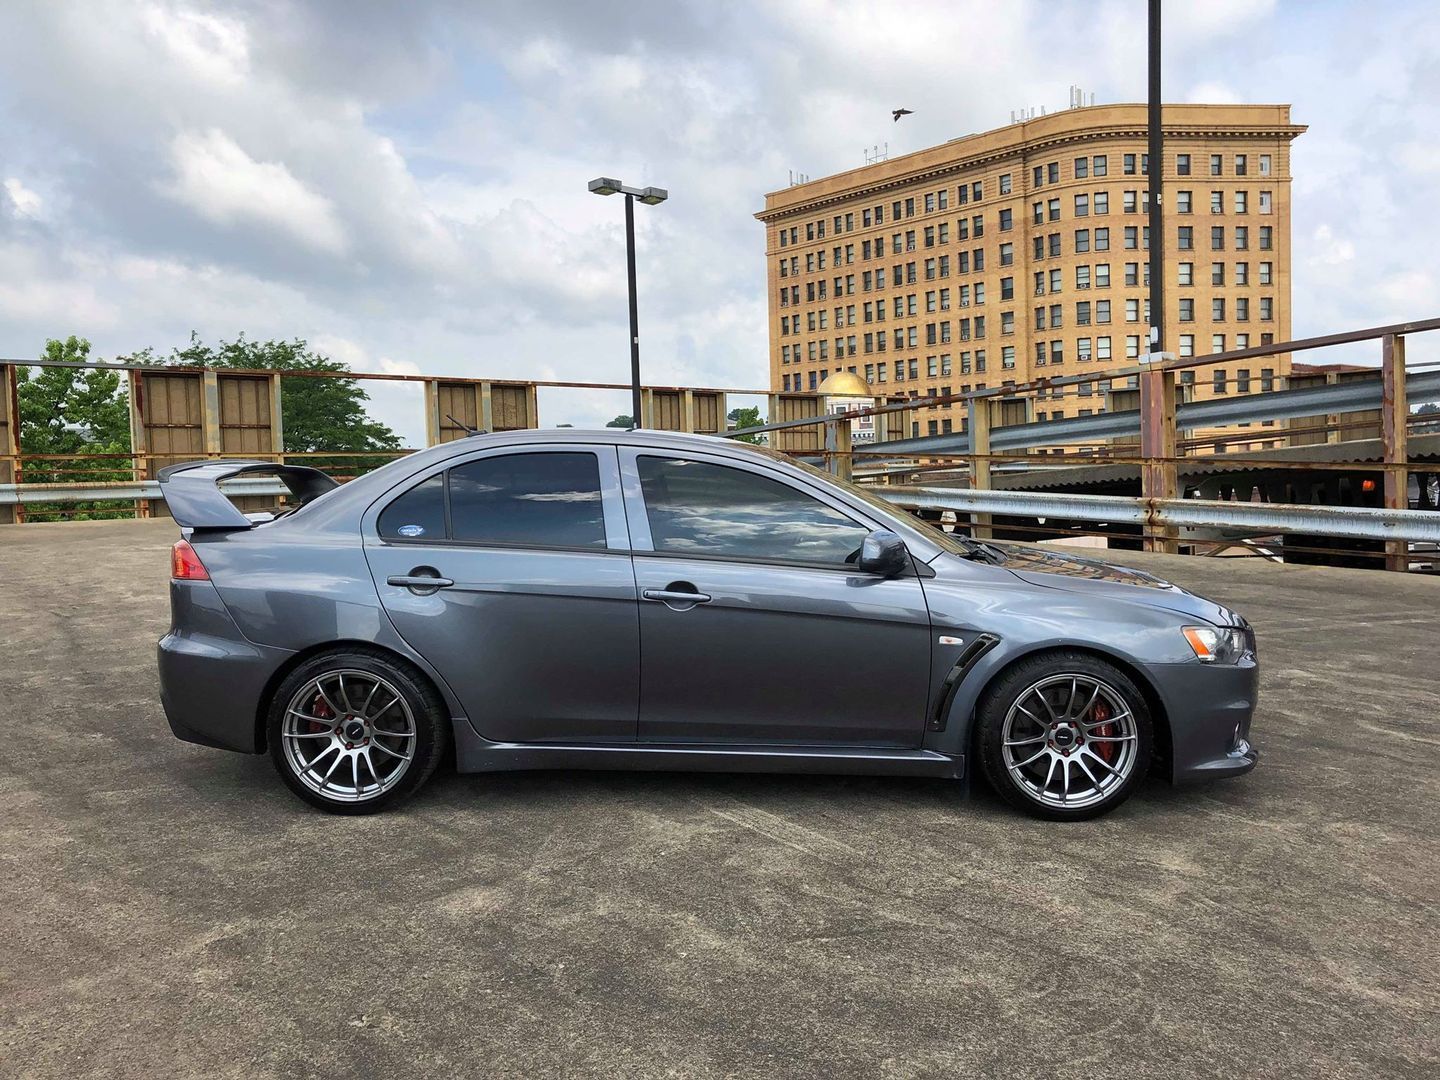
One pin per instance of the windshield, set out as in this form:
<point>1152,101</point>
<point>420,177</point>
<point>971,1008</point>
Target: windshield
<point>954,543</point>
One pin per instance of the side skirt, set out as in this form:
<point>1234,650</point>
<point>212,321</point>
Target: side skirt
<point>474,754</point>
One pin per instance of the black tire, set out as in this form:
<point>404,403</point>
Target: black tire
<point>431,736</point>
<point>1015,687</point>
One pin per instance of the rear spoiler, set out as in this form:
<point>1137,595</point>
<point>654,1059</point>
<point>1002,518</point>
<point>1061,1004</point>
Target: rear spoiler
<point>191,490</point>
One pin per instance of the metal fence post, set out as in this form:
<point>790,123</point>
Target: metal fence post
<point>9,438</point>
<point>1394,412</point>
<point>838,445</point>
<point>1159,479</point>
<point>980,414</point>
<point>277,420</point>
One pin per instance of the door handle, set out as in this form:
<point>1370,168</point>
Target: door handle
<point>418,581</point>
<point>676,596</point>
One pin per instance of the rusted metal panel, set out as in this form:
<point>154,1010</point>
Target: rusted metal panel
<point>709,412</point>
<point>171,428</point>
<point>456,401</point>
<point>794,409</point>
<point>513,406</point>
<point>665,409</point>
<point>245,425</point>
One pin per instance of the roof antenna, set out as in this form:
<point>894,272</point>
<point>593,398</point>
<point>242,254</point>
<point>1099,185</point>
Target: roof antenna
<point>464,427</point>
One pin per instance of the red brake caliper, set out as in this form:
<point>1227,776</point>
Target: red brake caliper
<point>320,709</point>
<point>1105,750</point>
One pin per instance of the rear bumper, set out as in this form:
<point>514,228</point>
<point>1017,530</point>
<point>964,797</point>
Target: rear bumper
<point>211,678</point>
<point>1210,709</point>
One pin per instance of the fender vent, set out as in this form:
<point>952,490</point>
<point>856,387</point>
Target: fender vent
<point>968,659</point>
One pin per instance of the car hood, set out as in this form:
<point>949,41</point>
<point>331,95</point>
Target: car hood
<point>1095,578</point>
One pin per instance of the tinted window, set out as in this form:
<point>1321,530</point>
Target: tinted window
<point>419,514</point>
<point>549,500</point>
<point>696,508</point>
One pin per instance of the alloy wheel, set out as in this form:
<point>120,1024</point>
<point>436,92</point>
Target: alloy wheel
<point>1069,741</point>
<point>348,735</point>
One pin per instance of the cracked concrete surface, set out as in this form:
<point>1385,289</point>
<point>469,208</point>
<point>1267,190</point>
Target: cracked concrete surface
<point>169,910</point>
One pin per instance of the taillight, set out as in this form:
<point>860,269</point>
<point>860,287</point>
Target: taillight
<point>185,565</point>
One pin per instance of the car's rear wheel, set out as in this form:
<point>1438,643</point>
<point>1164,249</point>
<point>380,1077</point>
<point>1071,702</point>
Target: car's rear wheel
<point>353,732</point>
<point>1064,736</point>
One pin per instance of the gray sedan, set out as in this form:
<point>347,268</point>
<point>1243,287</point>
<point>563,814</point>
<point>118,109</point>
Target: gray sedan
<point>643,600</point>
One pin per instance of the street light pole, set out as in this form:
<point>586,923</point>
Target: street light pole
<point>634,310</point>
<point>650,196</point>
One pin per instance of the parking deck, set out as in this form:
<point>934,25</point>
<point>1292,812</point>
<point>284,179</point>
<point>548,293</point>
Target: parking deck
<point>172,910</point>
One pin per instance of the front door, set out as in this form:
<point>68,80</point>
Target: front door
<point>533,620</point>
<point>753,626</point>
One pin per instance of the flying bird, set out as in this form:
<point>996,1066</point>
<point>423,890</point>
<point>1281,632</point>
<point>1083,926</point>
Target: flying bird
<point>897,113</point>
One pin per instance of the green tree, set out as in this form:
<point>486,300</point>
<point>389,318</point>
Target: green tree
<point>624,420</point>
<point>76,411</point>
<point>747,418</point>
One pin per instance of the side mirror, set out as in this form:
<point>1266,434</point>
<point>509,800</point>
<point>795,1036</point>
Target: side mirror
<point>883,553</point>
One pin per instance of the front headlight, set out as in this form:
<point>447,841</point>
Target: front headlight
<point>1216,644</point>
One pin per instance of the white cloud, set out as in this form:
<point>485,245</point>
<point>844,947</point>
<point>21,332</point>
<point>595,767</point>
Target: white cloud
<point>223,184</point>
<point>23,202</point>
<point>1327,249</point>
<point>211,47</point>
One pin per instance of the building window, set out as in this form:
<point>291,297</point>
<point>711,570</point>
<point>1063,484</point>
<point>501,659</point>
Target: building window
<point>1129,201</point>
<point>1082,240</point>
<point>1266,273</point>
<point>1217,309</point>
<point>1242,273</point>
<point>1267,308</point>
<point>1217,238</point>
<point>1007,356</point>
<point>1052,209</point>
<point>1267,237</point>
<point>1102,275</point>
<point>1057,316</point>
<point>1038,180</point>
<point>1007,322</point>
<point>1267,379</point>
<point>1217,343</point>
<point>1082,277</point>
<point>1082,205</point>
<point>1007,256</point>
<point>1242,238</point>
<point>1187,344</point>
<point>1007,219</point>
<point>1183,202</point>
<point>1265,202</point>
<point>1241,164</point>
<point>1007,288</point>
<point>1242,202</point>
<point>1052,172</point>
<point>1102,239</point>
<point>1054,242</point>
<point>1102,311</point>
<point>1216,164</point>
<point>1102,202</point>
<point>1132,310</point>
<point>1082,168</point>
<point>1217,273</point>
<point>1187,273</point>
<point>1100,165</point>
<point>1187,238</point>
<point>1219,380</point>
<point>1129,165</point>
<point>1132,237</point>
<point>1132,346</point>
<point>1187,309</point>
<point>1055,280</point>
<point>1242,309</point>
<point>1057,352</point>
<point>1102,348</point>
<point>1082,313</point>
<point>1005,184</point>
<point>1182,164</point>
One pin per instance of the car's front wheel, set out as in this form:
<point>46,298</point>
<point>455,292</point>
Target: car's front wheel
<point>1064,736</point>
<point>354,731</point>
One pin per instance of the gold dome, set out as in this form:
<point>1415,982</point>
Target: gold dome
<point>846,384</point>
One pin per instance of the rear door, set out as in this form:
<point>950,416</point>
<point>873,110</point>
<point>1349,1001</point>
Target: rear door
<point>754,628</point>
<point>532,618</point>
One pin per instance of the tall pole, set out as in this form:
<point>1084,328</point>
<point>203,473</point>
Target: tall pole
<point>634,311</point>
<point>1157,176</point>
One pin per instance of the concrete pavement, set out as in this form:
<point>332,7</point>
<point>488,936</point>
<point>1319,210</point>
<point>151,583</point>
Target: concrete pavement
<point>168,910</point>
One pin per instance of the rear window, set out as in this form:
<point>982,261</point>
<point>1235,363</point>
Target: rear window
<point>419,514</point>
<point>536,500</point>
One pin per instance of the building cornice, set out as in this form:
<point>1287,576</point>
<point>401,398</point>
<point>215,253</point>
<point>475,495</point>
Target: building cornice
<point>1020,151</point>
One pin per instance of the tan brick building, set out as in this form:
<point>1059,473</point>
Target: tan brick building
<point>1020,252</point>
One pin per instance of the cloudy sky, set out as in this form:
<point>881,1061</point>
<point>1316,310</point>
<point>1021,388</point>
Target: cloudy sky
<point>404,184</point>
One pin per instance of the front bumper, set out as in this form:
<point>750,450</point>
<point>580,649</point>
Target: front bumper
<point>1210,708</point>
<point>212,678</point>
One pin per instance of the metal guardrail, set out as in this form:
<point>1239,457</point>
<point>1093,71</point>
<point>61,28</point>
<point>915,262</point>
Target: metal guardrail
<point>22,494</point>
<point>1347,522</point>
<point>1355,396</point>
